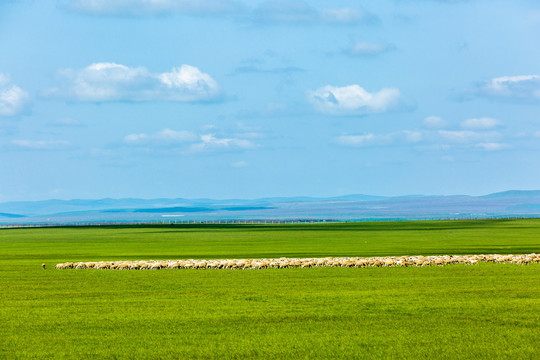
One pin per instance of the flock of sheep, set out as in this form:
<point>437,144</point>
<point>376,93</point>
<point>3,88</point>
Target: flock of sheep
<point>385,261</point>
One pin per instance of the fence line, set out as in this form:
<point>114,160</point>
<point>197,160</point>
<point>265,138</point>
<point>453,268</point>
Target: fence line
<point>244,221</point>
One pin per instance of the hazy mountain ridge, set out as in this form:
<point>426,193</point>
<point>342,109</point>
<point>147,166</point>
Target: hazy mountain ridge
<point>7,215</point>
<point>508,203</point>
<point>513,194</point>
<point>55,206</point>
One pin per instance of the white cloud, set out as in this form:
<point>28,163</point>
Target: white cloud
<point>354,100</point>
<point>66,122</point>
<point>209,142</point>
<point>135,138</point>
<point>412,136</point>
<point>102,82</point>
<point>367,49</point>
<point>41,144</point>
<point>163,137</point>
<point>154,7</point>
<point>190,82</point>
<point>468,136</point>
<point>187,142</point>
<point>239,164</point>
<point>370,139</point>
<point>504,84</point>
<point>267,12</point>
<point>428,140</point>
<point>208,127</point>
<point>13,99</point>
<point>524,88</point>
<point>347,16</point>
<point>356,140</point>
<point>434,122</point>
<point>300,12</point>
<point>493,146</point>
<point>480,123</point>
<point>172,135</point>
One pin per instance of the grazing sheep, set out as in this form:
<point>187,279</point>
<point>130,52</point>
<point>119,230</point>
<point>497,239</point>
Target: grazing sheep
<point>101,265</point>
<point>388,261</point>
<point>124,266</point>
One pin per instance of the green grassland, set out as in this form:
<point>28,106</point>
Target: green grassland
<point>459,311</point>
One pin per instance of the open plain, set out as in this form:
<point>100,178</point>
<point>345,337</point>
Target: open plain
<point>484,310</point>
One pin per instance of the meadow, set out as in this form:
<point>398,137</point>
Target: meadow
<point>457,311</point>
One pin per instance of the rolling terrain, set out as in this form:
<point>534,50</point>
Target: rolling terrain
<point>343,208</point>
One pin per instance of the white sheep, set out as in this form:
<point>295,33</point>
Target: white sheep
<point>387,261</point>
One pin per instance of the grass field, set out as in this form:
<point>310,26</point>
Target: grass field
<point>458,311</point>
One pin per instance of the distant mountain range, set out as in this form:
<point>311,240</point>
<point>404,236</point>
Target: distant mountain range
<point>509,203</point>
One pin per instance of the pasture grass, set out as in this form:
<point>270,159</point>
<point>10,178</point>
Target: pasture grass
<point>459,311</point>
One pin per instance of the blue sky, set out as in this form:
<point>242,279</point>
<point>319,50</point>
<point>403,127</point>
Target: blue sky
<point>232,99</point>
